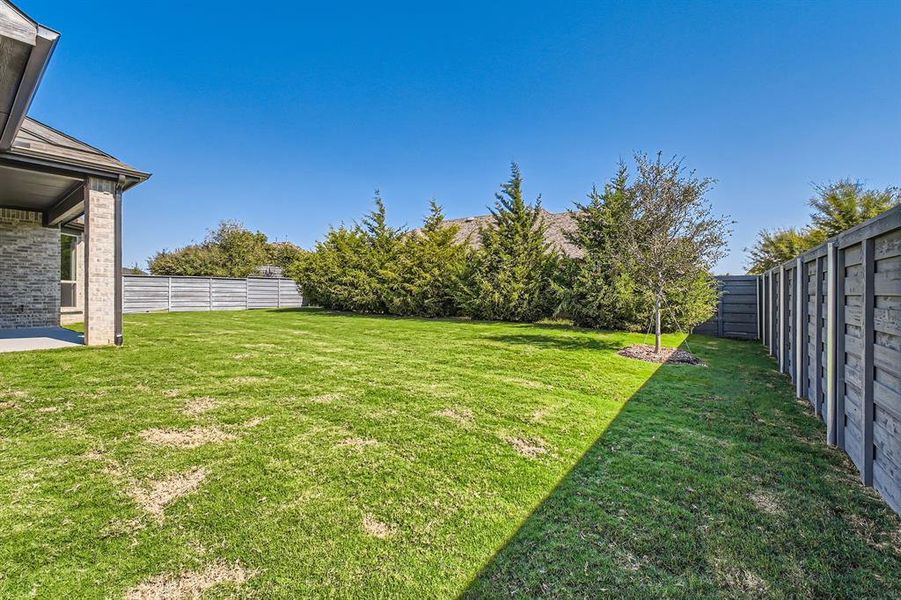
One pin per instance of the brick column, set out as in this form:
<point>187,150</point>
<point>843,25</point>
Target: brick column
<point>100,262</point>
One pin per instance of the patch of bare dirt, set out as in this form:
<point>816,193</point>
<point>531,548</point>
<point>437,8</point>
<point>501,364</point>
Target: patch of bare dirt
<point>198,406</point>
<point>325,398</point>
<point>185,438</point>
<point>672,356</point>
<point>8,405</point>
<point>356,442</point>
<point>530,448</point>
<point>189,584</point>
<point>251,423</point>
<point>766,502</point>
<point>157,495</point>
<point>461,416</point>
<point>866,529</point>
<point>376,528</point>
<point>247,379</point>
<point>171,393</point>
<point>741,580</point>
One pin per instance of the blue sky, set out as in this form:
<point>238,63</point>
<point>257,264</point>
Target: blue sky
<point>287,115</point>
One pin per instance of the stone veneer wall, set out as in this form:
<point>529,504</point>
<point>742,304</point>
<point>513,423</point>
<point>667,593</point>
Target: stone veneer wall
<point>29,270</point>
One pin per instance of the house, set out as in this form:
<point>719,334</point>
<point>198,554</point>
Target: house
<point>60,203</point>
<point>558,225</point>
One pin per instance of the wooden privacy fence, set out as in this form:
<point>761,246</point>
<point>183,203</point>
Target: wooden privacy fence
<point>150,293</point>
<point>832,317</point>
<point>736,314</point>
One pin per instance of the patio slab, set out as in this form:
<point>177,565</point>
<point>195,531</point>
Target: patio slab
<point>38,338</point>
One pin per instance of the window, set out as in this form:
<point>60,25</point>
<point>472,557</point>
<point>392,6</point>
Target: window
<point>67,268</point>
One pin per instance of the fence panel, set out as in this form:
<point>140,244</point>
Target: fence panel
<point>736,315</point>
<point>832,318</point>
<point>229,294</point>
<point>149,293</point>
<point>145,294</point>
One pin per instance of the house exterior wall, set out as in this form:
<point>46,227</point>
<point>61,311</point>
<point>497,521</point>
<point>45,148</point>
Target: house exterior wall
<point>29,270</point>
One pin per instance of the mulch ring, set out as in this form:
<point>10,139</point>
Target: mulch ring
<point>670,356</point>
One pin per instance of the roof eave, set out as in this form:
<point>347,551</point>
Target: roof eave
<point>45,42</point>
<point>72,167</point>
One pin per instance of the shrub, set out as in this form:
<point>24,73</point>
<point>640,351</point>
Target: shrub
<point>599,295</point>
<point>429,268</point>
<point>354,269</point>
<point>511,277</point>
<point>230,250</point>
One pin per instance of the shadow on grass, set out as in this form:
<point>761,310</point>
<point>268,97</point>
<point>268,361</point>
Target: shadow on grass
<point>713,481</point>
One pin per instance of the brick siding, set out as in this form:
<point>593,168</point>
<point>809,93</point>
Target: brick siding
<point>29,270</point>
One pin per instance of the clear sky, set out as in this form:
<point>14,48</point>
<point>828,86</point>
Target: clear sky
<point>287,115</point>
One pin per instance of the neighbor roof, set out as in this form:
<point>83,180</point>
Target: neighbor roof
<point>558,225</point>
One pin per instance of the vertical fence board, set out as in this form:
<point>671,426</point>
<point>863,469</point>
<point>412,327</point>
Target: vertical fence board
<point>801,328</point>
<point>866,367</point>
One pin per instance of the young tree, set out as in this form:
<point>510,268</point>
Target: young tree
<point>841,205</point>
<point>511,276</point>
<point>430,265</point>
<point>772,248</point>
<point>672,239</point>
<point>599,294</point>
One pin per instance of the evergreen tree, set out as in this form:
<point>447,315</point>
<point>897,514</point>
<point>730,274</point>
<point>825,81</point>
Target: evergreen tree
<point>600,295</point>
<point>511,276</point>
<point>429,268</point>
<point>841,205</point>
<point>381,278</point>
<point>772,248</point>
<point>336,274</point>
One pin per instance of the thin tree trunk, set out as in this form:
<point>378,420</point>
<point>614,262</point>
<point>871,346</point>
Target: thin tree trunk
<point>657,327</point>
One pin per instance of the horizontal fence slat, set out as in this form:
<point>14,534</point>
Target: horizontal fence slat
<point>153,293</point>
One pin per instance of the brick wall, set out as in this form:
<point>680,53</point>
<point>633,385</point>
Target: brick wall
<point>29,270</point>
<point>100,264</point>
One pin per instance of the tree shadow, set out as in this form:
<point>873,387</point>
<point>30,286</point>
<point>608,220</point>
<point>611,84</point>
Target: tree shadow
<point>712,481</point>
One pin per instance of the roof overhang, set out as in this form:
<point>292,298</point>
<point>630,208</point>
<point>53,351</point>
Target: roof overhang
<point>25,50</point>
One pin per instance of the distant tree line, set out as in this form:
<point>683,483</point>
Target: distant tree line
<point>230,250</point>
<point>836,207</point>
<point>648,241</point>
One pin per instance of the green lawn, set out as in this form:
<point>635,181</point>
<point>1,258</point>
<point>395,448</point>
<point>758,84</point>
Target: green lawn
<point>299,453</point>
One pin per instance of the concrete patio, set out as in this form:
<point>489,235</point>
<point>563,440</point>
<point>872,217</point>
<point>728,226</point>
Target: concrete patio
<point>38,338</point>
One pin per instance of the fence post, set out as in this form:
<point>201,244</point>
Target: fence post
<point>246,293</point>
<point>800,328</point>
<point>757,285</point>
<point>831,311</point>
<point>867,370</point>
<point>835,425</point>
<point>209,293</point>
<point>169,297</point>
<point>819,370</point>
<point>774,327</point>
<point>278,293</point>
<point>783,304</point>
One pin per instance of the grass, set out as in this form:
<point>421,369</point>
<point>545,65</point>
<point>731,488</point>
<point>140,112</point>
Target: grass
<point>320,454</point>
